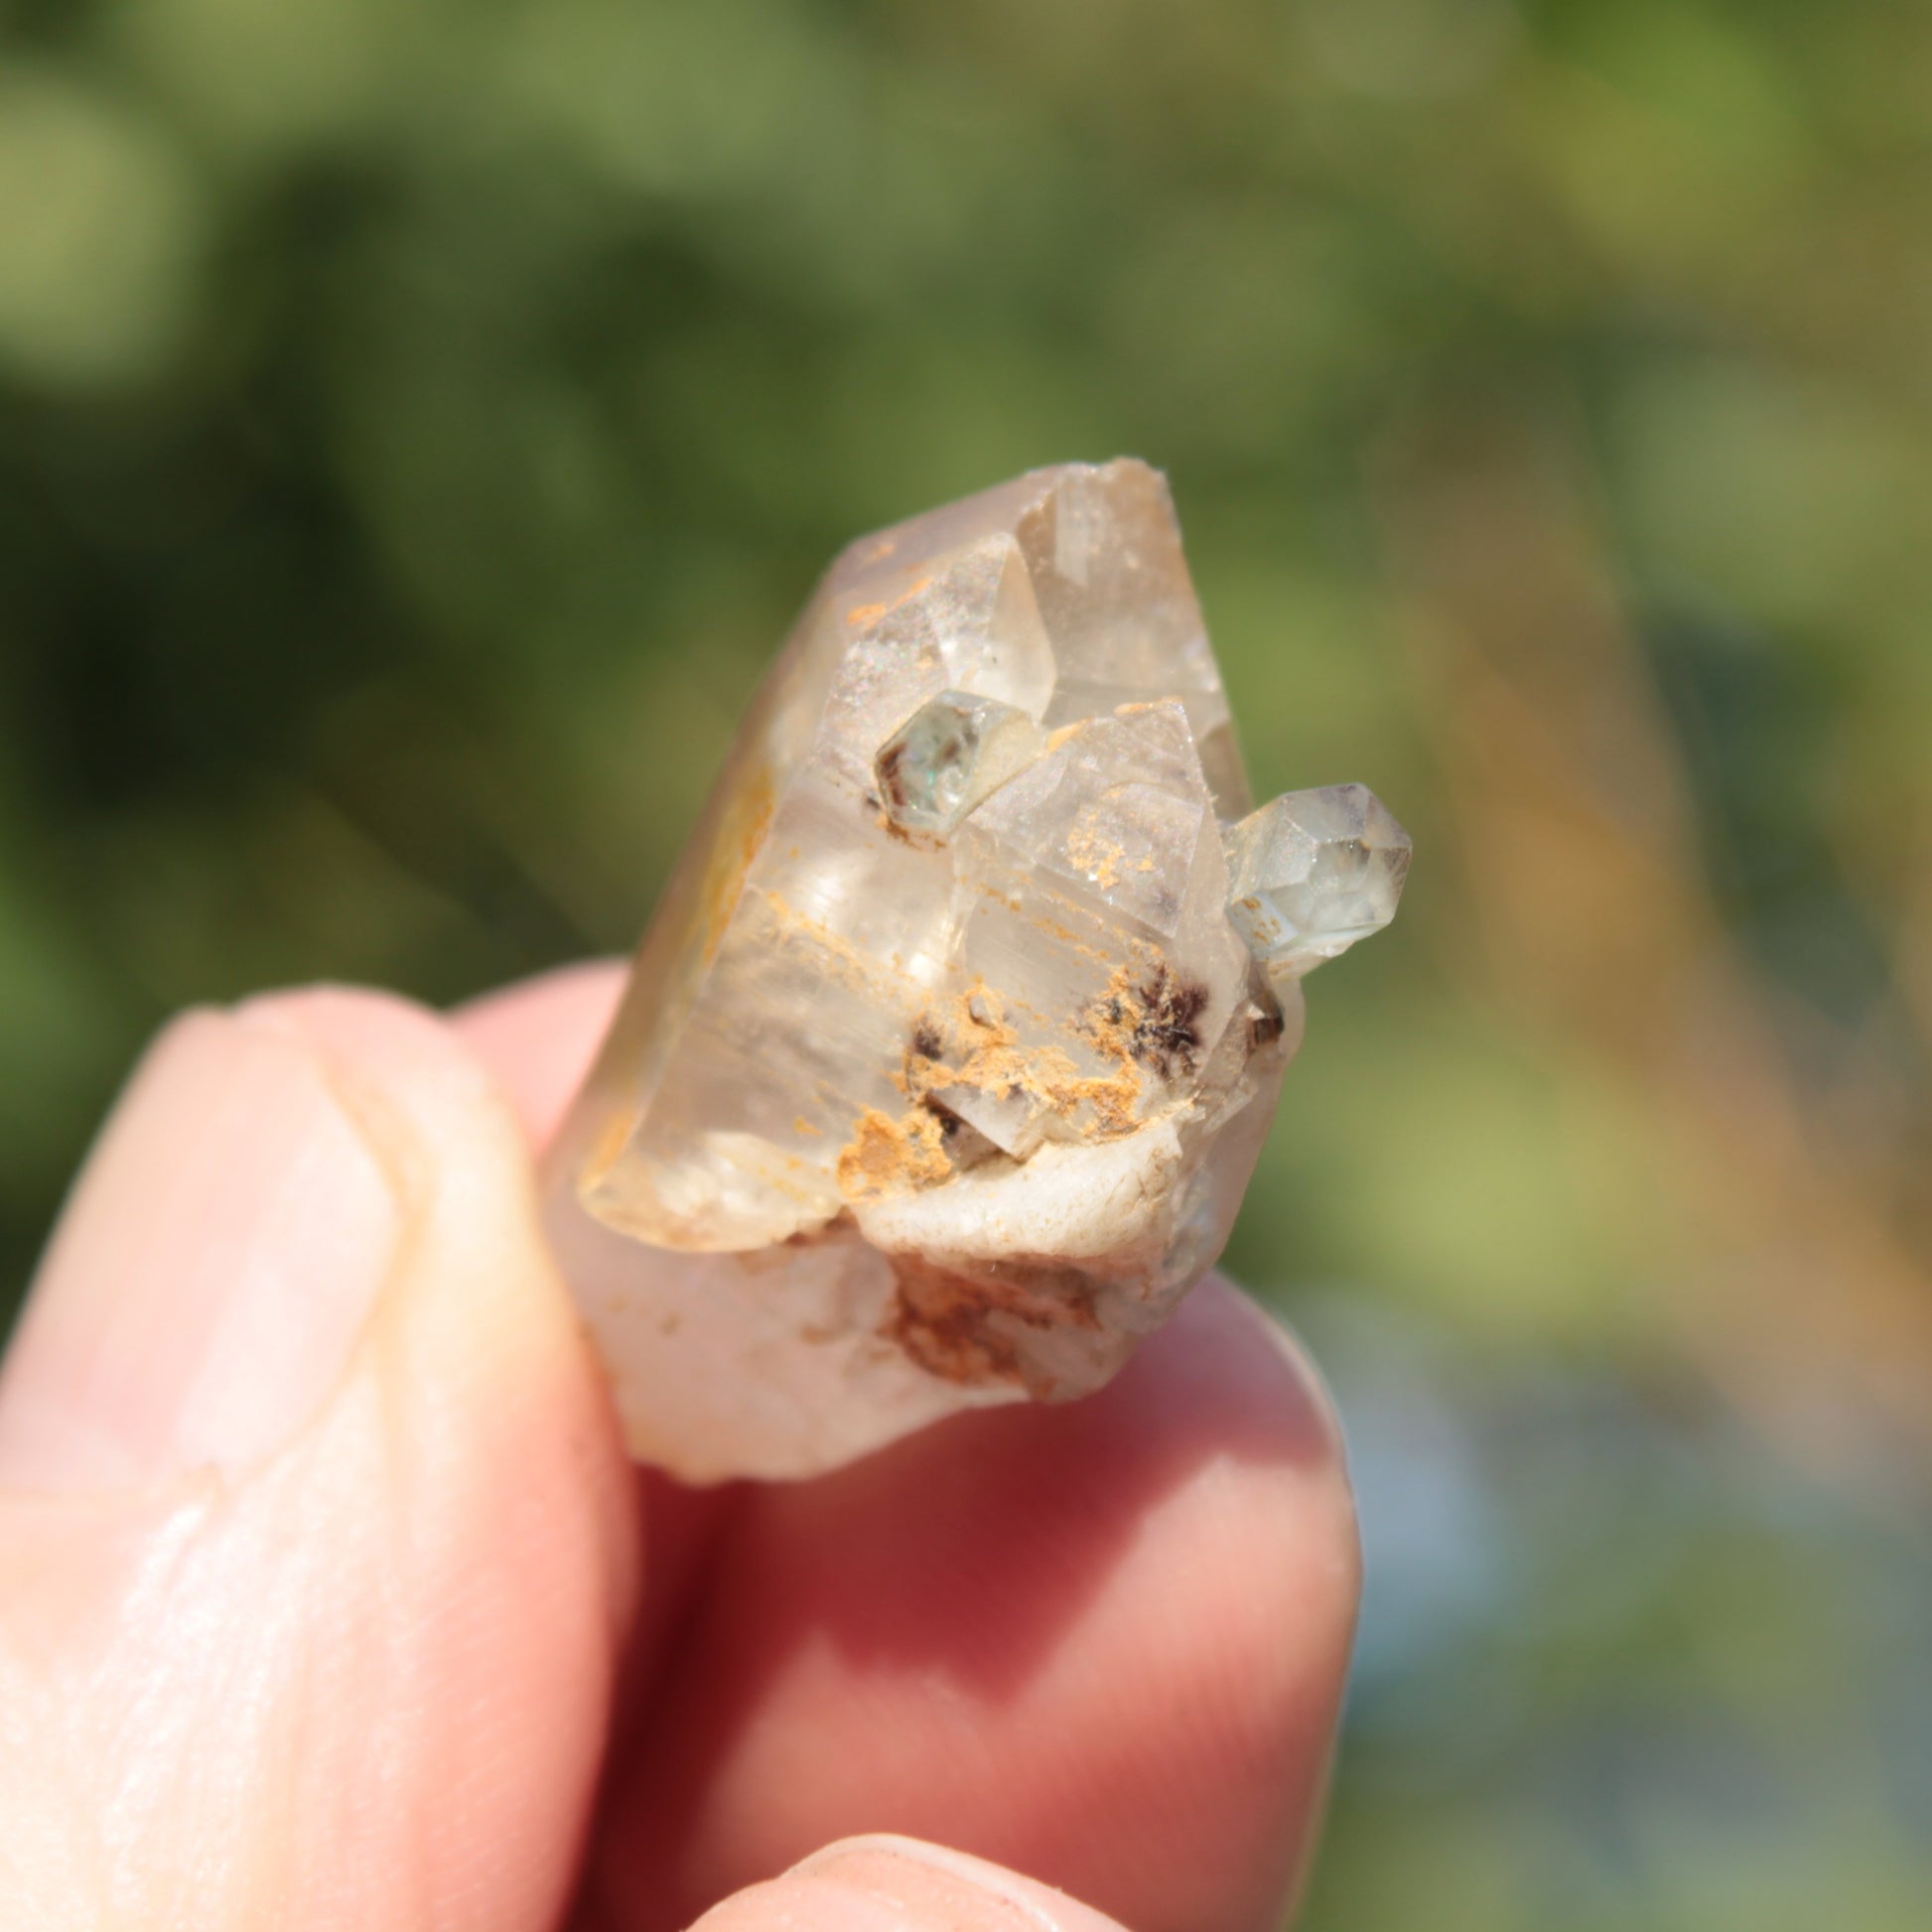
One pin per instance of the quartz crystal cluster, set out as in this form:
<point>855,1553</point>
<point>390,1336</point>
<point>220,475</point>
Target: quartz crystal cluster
<point>948,1056</point>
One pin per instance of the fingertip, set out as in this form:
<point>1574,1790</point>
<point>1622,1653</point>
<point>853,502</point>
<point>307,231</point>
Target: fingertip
<point>359,1025</point>
<point>1224,1345</point>
<point>884,1882</point>
<point>540,1036</point>
<point>232,1234</point>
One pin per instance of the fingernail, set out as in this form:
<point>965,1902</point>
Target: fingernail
<point>928,1886</point>
<point>216,1263</point>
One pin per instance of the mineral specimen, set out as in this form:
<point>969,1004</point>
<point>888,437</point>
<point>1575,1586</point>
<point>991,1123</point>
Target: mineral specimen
<point>946,1060</point>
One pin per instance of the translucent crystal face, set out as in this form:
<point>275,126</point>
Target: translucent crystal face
<point>948,755</point>
<point>943,1065</point>
<point>1313,872</point>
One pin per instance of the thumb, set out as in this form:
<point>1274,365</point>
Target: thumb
<point>314,1544</point>
<point>900,1884</point>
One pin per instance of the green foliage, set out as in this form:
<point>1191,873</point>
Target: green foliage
<point>418,422</point>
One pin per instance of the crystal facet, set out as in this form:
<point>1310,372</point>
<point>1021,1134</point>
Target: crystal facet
<point>947,1057</point>
<point>946,758</point>
<point>1313,872</point>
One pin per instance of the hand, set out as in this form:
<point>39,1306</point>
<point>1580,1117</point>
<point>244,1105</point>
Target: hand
<point>329,1600</point>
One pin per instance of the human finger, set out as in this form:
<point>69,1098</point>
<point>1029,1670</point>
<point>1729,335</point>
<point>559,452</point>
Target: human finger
<point>898,1884</point>
<point>316,1552</point>
<point>1103,1642</point>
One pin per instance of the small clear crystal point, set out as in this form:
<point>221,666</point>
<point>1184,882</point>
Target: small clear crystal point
<point>948,755</point>
<point>1313,872</point>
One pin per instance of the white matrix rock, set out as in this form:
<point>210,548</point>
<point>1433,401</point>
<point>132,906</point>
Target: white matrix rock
<point>951,1048</point>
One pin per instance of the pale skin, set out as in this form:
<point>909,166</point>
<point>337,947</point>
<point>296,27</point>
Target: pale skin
<point>329,1599</point>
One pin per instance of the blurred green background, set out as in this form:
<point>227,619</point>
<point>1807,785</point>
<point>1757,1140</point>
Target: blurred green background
<point>418,422</point>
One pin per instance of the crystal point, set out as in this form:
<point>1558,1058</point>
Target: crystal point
<point>948,755</point>
<point>1313,872</point>
<point>953,1045</point>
